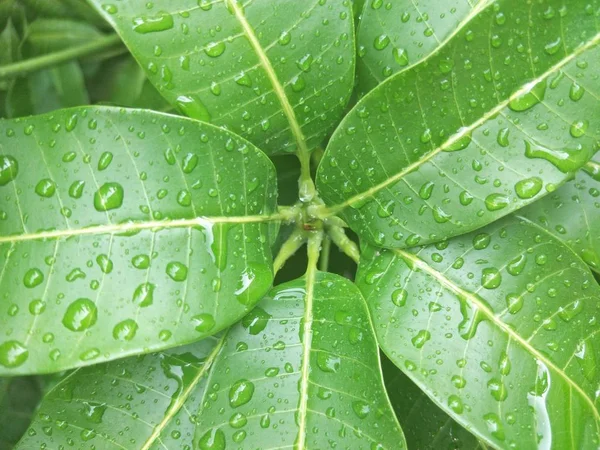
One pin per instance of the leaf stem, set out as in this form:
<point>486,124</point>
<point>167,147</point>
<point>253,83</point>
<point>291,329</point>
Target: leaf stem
<point>339,238</point>
<point>325,252</point>
<point>51,59</point>
<point>289,248</point>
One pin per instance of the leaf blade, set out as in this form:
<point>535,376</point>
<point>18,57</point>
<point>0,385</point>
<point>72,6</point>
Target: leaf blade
<point>253,86</point>
<point>481,298</point>
<point>411,182</point>
<point>130,232</point>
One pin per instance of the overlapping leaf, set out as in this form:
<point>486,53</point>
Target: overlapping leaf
<point>113,411</point>
<point>500,115</point>
<point>19,396</point>
<point>125,232</point>
<point>572,213</point>
<point>395,34</point>
<point>499,327</point>
<point>301,369</point>
<point>276,72</point>
<point>425,425</point>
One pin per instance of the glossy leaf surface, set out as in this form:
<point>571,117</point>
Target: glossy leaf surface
<point>425,425</point>
<point>277,72</point>
<point>106,406</point>
<point>258,402</point>
<point>396,34</point>
<point>124,232</point>
<point>572,213</point>
<point>19,396</point>
<point>501,114</point>
<point>499,327</point>
<point>302,370</point>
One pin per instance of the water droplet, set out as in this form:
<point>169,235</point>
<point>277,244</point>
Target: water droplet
<point>256,320</point>
<point>9,168</point>
<point>399,297</point>
<point>516,265</point>
<point>528,97</point>
<point>491,278</point>
<point>386,210</point>
<point>80,315</point>
<point>497,389</point>
<point>193,107</point>
<point>381,42</point>
<point>284,38</point>
<point>144,295</point>
<point>203,322</point>
<point>33,277</point>
<point>401,56</point>
<point>151,24</point>
<point>502,138</point>
<point>564,159</point>
<point>215,49</point>
<point>305,62</point>
<point>106,265</point>
<point>426,190</point>
<point>108,197</point>
<point>529,187</point>
<point>576,92</point>
<point>579,128</point>
<point>421,338</point>
<point>125,330</point>
<point>361,408</point>
<point>213,439</point>
<point>45,188</point>
<point>455,404</point>
<point>496,202</point>
<point>328,362</point>
<point>481,241</point>
<point>13,354</point>
<point>241,392</point>
<point>514,303</point>
<point>76,189</point>
<point>177,271</point>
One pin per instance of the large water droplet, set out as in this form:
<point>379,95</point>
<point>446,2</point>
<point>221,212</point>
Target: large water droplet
<point>528,97</point>
<point>193,107</point>
<point>80,315</point>
<point>150,24</point>
<point>45,188</point>
<point>33,277</point>
<point>9,168</point>
<point>240,393</point>
<point>144,295</point>
<point>177,271</point>
<point>125,330</point>
<point>13,354</point>
<point>256,320</point>
<point>491,278</point>
<point>203,322</point>
<point>109,196</point>
<point>529,187</point>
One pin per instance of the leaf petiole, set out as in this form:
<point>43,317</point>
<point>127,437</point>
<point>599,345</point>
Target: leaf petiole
<point>111,41</point>
<point>289,248</point>
<point>339,238</point>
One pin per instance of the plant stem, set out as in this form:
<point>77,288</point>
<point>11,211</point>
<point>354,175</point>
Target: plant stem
<point>51,59</point>
<point>289,248</point>
<point>325,252</point>
<point>339,238</point>
<point>315,239</point>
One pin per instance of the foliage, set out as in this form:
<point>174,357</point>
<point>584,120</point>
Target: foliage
<point>161,165</point>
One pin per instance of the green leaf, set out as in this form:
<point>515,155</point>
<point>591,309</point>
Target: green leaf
<point>425,425</point>
<point>496,118</point>
<point>49,35</point>
<point>141,402</point>
<point>262,384</point>
<point>302,369</point>
<point>499,327</point>
<point>125,232</point>
<point>394,35</point>
<point>122,82</point>
<point>572,213</point>
<point>278,72</point>
<point>19,397</point>
<point>58,87</point>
